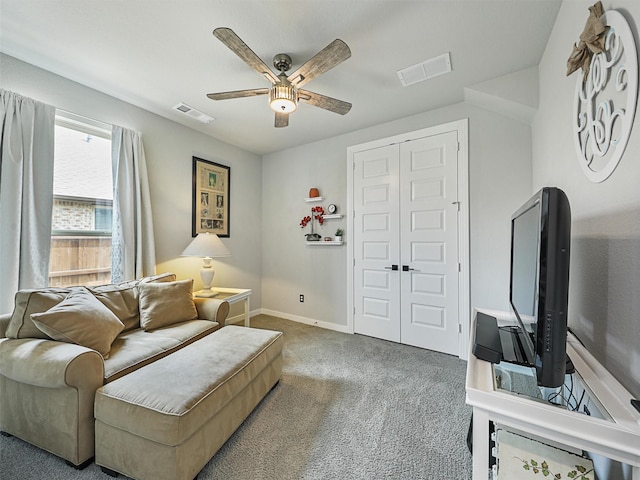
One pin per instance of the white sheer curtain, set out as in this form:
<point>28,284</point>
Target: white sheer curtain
<point>133,250</point>
<point>26,194</point>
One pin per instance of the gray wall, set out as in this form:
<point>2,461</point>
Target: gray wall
<point>499,178</point>
<point>169,148</point>
<point>604,299</point>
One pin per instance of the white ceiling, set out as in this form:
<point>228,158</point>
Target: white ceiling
<point>158,53</point>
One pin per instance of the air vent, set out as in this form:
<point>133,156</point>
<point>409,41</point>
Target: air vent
<point>423,71</point>
<point>193,113</point>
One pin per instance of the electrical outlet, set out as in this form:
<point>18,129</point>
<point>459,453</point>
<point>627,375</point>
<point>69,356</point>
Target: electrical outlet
<point>301,298</point>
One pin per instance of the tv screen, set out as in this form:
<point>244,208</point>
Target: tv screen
<point>539,281</point>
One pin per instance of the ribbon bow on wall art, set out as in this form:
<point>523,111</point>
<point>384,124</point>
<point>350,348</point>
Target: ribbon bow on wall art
<point>591,42</point>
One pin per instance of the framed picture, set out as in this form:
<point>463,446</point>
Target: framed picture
<point>210,198</point>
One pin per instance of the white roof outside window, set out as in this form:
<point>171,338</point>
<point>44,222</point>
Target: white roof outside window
<point>82,165</point>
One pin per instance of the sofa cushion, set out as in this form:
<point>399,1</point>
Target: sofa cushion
<point>137,348</point>
<point>122,298</point>
<point>166,303</point>
<point>30,301</point>
<point>82,319</point>
<point>161,277</point>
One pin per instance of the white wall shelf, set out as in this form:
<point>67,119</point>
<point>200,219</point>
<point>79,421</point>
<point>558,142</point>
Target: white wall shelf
<point>331,216</point>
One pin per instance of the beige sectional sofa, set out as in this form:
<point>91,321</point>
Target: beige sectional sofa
<point>59,346</point>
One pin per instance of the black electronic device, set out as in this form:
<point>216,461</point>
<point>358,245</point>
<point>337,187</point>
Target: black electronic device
<point>539,283</point>
<point>486,343</point>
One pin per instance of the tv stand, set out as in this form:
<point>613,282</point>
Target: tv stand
<point>518,408</point>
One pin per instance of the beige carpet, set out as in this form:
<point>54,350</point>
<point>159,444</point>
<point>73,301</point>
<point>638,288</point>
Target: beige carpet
<point>347,407</point>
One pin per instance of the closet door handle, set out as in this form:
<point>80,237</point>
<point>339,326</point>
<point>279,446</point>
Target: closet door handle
<point>392,267</point>
<point>406,268</point>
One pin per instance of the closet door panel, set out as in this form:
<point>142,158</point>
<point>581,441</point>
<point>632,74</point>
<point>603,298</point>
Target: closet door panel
<point>376,237</point>
<point>429,242</point>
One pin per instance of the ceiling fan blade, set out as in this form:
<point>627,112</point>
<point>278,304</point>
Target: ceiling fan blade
<point>322,101</point>
<point>238,94</point>
<point>327,58</point>
<point>282,120</point>
<point>237,46</point>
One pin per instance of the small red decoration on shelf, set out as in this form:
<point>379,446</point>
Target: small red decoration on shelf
<point>317,213</point>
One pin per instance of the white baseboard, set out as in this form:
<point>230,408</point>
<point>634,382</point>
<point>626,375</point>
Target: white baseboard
<point>307,321</point>
<point>239,320</point>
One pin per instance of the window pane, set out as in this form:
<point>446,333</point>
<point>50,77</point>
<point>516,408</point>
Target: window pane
<point>104,217</point>
<point>82,209</point>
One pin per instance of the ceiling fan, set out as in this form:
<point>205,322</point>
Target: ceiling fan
<point>285,92</point>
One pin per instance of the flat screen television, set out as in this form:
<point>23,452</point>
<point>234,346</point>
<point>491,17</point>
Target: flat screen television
<point>539,282</point>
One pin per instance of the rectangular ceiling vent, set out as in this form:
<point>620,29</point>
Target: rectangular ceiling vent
<point>193,113</point>
<point>423,71</point>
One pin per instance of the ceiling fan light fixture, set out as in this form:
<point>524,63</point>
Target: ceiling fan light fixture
<point>283,98</point>
<point>283,93</point>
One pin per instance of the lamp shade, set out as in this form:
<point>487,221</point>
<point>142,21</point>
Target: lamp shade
<point>206,245</point>
<point>283,98</point>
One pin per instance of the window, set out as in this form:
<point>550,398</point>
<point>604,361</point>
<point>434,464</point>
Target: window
<point>82,203</point>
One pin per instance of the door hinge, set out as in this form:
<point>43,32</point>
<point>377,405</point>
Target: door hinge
<point>459,267</point>
<point>354,262</point>
<point>459,328</point>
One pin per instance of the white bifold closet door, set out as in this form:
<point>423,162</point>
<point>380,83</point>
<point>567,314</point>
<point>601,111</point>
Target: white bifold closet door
<point>406,263</point>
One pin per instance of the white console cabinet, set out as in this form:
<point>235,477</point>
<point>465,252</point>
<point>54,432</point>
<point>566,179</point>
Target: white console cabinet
<point>609,429</point>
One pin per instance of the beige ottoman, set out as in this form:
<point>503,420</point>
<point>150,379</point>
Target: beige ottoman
<point>167,419</point>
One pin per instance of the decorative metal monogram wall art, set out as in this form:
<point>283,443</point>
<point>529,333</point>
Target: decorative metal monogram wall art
<point>605,101</point>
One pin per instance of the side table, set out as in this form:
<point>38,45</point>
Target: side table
<point>235,295</point>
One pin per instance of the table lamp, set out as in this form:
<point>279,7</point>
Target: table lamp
<point>207,246</point>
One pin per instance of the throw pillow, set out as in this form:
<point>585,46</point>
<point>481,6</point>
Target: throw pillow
<point>82,319</point>
<point>166,303</point>
<point>32,301</point>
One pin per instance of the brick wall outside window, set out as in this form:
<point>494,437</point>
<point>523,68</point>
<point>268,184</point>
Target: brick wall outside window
<point>70,215</point>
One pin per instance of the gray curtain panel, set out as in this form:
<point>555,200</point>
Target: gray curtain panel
<point>26,194</point>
